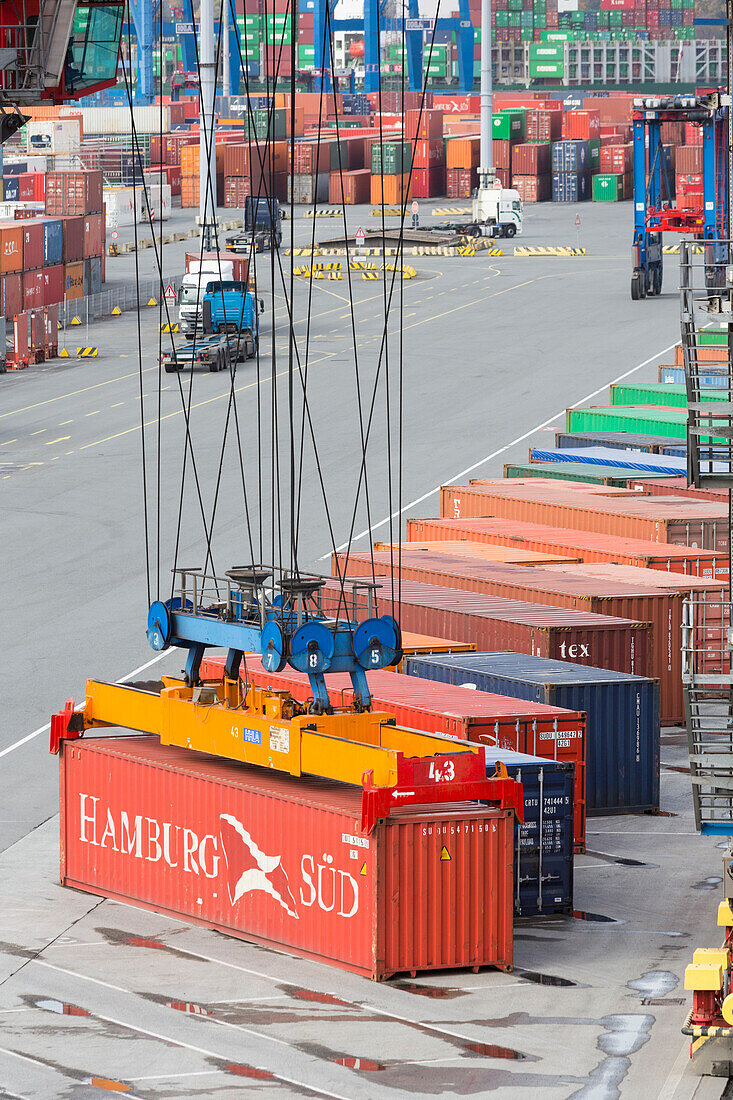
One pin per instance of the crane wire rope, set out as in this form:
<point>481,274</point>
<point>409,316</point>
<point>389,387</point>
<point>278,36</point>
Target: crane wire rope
<point>398,264</point>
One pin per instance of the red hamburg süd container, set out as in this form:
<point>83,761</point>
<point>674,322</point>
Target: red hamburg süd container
<point>588,545</point>
<point>32,245</point>
<point>33,289</point>
<point>535,728</point>
<point>12,294</point>
<point>460,183</point>
<point>493,623</point>
<point>53,284</point>
<point>282,862</point>
<point>647,604</point>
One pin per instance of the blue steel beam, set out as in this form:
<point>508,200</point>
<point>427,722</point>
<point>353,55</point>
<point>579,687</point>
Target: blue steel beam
<point>143,15</point>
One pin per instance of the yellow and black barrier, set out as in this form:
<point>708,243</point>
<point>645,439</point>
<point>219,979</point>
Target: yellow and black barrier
<point>548,250</point>
<point>87,353</point>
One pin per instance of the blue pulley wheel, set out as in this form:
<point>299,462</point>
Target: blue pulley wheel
<point>378,643</point>
<point>159,625</point>
<point>273,646</point>
<point>311,648</point>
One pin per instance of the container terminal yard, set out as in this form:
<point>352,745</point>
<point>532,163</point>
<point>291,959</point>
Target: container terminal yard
<point>365,466</point>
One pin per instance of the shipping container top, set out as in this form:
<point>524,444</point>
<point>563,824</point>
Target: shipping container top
<point>526,668</point>
<point>520,532</point>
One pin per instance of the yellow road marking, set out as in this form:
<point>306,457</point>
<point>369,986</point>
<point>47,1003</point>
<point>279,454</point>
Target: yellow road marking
<point>39,431</point>
<point>8,442</point>
<point>65,422</point>
<point>60,439</point>
<point>117,405</point>
<point>74,393</point>
<point>95,413</point>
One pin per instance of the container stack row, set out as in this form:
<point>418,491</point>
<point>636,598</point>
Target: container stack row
<point>360,148</point>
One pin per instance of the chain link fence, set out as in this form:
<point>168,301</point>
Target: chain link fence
<point>97,307</point>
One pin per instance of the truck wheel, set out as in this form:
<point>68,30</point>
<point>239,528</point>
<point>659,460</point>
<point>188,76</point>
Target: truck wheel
<point>215,364</point>
<point>657,282</point>
<point>638,285</point>
<point>510,230</point>
<point>170,368</point>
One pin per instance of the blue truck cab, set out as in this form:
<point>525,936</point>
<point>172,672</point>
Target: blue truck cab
<point>229,307</point>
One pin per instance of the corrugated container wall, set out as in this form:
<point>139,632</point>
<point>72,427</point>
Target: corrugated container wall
<point>622,716</point>
<point>177,832</point>
<point>543,846</point>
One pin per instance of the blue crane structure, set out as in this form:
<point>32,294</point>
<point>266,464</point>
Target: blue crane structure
<point>414,28</point>
<point>653,213</point>
<point>145,15</point>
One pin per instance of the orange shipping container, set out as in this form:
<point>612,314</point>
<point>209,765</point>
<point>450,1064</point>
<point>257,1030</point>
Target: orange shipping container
<point>463,152</point>
<point>73,281</point>
<point>11,247</point>
<point>390,189</point>
<point>190,159</point>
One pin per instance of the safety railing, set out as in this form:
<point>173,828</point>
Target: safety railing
<point>706,315</point>
<point>123,298</point>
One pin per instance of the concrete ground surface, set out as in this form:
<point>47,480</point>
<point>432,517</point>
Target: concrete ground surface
<point>96,995</point>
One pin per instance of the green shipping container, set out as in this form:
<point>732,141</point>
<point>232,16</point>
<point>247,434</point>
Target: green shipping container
<point>547,70</point>
<point>639,421</point>
<point>392,158</point>
<point>557,36</point>
<point>713,339</point>
<point>607,188</point>
<point>551,51</point>
<point>661,394</point>
<point>271,123</point>
<point>509,126</point>
<point>574,471</point>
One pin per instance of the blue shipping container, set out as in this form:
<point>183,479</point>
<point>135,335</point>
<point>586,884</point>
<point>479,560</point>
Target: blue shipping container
<point>543,845</point>
<point>622,738</point>
<point>677,374</point>
<point>14,167</point>
<point>92,275</point>
<point>650,444</point>
<point>570,156</point>
<point>53,241</point>
<point>661,465</point>
<point>570,187</point>
<point>11,188</point>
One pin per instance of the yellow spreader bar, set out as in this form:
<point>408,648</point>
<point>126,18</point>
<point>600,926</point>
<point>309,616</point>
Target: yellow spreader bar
<point>263,730</point>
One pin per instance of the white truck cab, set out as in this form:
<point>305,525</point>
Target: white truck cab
<point>499,209</point>
<point>193,288</point>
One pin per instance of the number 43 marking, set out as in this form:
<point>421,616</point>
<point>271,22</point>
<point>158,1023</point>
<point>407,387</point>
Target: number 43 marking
<point>444,774</point>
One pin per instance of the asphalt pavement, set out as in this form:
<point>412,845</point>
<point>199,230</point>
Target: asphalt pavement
<point>480,356</point>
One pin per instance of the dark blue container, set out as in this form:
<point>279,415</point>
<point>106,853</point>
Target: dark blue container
<point>543,845</point>
<point>92,275</point>
<point>650,444</point>
<point>570,187</point>
<point>11,188</point>
<point>570,156</point>
<point>53,242</point>
<point>622,733</point>
<point>14,167</point>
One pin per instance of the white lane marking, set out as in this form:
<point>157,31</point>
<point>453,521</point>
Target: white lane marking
<point>176,1076</point>
<point>37,1062</point>
<point>42,729</point>
<point>190,1046</point>
<point>495,454</point>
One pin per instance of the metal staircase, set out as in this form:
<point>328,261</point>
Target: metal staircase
<point>706,301</point>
